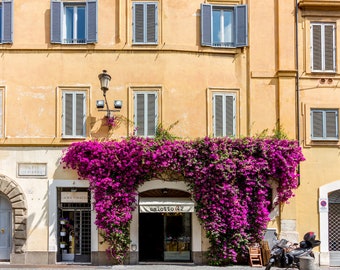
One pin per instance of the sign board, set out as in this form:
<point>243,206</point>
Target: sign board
<point>32,169</point>
<point>166,205</point>
<point>74,197</point>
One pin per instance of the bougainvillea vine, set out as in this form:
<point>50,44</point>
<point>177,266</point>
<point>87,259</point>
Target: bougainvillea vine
<point>229,180</point>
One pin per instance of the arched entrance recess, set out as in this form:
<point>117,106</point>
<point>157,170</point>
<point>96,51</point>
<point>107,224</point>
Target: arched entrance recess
<point>327,193</point>
<point>10,189</point>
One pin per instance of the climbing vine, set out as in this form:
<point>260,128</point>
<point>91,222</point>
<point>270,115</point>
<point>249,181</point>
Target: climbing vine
<point>229,180</point>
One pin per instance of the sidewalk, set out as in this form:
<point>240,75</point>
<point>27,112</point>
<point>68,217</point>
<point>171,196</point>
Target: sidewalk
<point>142,267</point>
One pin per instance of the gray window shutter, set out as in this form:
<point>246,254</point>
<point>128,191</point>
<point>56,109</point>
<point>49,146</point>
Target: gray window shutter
<point>151,115</point>
<point>317,47</point>
<point>56,8</point>
<point>138,23</point>
<point>92,21</point>
<point>241,26</point>
<point>68,114</point>
<point>80,117</point>
<point>206,24</point>
<point>329,47</point>
<point>331,124</point>
<point>151,23</point>
<point>230,117</point>
<point>7,15</point>
<point>218,115</point>
<point>139,114</point>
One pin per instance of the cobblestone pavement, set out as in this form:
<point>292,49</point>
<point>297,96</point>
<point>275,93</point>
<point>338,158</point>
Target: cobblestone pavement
<point>141,267</point>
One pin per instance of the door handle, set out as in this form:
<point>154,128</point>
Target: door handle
<point>2,230</point>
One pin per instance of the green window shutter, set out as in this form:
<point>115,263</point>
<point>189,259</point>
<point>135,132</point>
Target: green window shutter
<point>7,21</point>
<point>92,21</point>
<point>329,47</point>
<point>229,115</point>
<point>68,114</point>
<point>151,114</point>
<point>206,24</point>
<point>56,8</point>
<point>241,26</point>
<point>316,47</point>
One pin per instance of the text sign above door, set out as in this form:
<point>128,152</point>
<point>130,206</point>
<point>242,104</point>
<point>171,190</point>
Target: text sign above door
<point>74,197</point>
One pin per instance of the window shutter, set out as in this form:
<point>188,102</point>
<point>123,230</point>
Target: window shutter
<point>151,23</point>
<point>329,47</point>
<point>331,124</point>
<point>80,116</point>
<point>68,114</point>
<point>7,20</point>
<point>151,114</point>
<point>139,114</point>
<point>92,21</point>
<point>218,115</point>
<point>138,23</point>
<point>241,26</point>
<point>1,115</point>
<point>317,47</point>
<point>56,7</point>
<point>230,116</point>
<point>206,18</point>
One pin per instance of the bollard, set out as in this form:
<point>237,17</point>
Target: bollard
<point>307,263</point>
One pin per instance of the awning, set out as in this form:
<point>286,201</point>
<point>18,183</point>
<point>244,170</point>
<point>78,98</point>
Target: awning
<point>165,205</point>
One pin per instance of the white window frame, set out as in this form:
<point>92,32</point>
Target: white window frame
<point>324,124</point>
<point>75,24</point>
<point>224,113</point>
<point>74,114</point>
<point>146,126</point>
<point>323,42</point>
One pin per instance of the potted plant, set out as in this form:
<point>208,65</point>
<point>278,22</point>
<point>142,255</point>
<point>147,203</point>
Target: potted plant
<point>62,244</point>
<point>63,220</point>
<point>63,232</point>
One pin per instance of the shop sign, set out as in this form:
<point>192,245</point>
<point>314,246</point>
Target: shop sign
<point>74,197</point>
<point>166,205</point>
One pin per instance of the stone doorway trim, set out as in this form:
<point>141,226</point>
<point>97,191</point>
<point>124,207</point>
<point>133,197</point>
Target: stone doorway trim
<point>16,196</point>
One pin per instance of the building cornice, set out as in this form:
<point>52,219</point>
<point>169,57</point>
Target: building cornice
<point>319,4</point>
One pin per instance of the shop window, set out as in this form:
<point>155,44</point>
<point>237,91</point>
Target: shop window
<point>224,114</point>
<point>322,47</point>
<point>145,23</point>
<point>145,113</point>
<point>224,26</point>
<point>74,114</point>
<point>74,23</point>
<point>324,124</point>
<point>6,21</point>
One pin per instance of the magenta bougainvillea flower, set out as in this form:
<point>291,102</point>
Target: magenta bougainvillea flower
<point>229,179</point>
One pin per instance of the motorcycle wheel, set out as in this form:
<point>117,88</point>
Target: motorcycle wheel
<point>269,265</point>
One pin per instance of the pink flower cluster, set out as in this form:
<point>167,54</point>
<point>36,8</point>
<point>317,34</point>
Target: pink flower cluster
<point>229,180</point>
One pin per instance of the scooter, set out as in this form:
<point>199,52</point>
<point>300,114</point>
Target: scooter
<point>285,254</point>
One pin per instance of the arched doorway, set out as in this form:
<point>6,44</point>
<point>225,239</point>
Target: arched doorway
<point>5,228</point>
<point>333,228</point>
<point>165,227</point>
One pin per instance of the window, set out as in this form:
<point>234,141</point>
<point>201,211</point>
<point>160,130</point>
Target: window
<point>74,114</point>
<point>324,124</point>
<point>74,23</point>
<point>224,26</point>
<point>6,21</point>
<point>145,23</point>
<point>224,114</point>
<point>322,47</point>
<point>1,113</point>
<point>145,113</point>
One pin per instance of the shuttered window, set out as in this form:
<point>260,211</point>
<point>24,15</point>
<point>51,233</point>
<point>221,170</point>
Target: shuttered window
<point>145,23</point>
<point>324,124</point>
<point>6,21</point>
<point>224,26</point>
<point>323,47</point>
<point>224,115</point>
<point>74,114</point>
<point>74,23</point>
<point>145,113</point>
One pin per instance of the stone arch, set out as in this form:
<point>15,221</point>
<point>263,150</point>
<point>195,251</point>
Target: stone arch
<point>16,196</point>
